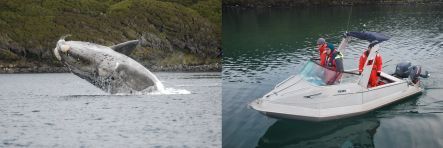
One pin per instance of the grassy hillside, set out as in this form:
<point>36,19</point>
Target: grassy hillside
<point>189,30</point>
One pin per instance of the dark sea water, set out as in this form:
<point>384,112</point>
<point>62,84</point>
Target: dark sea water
<point>62,110</point>
<point>264,46</point>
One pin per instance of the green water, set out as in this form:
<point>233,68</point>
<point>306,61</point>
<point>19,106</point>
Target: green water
<point>264,46</point>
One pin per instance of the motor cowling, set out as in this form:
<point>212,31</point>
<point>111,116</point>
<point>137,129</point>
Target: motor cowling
<point>402,69</point>
<point>406,70</point>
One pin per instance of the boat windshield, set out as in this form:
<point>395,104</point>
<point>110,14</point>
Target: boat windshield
<point>318,75</point>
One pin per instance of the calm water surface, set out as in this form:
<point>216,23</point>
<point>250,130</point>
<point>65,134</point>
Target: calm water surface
<point>62,110</point>
<point>264,46</point>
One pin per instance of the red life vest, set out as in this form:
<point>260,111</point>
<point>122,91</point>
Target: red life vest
<point>323,56</point>
<point>321,51</point>
<point>377,65</point>
<point>373,79</point>
<point>328,60</point>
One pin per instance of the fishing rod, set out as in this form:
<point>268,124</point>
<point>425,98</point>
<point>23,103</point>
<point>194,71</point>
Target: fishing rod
<point>359,74</point>
<point>347,72</point>
<point>386,63</point>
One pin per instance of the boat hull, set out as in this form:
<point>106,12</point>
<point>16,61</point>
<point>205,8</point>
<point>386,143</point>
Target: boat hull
<point>371,99</point>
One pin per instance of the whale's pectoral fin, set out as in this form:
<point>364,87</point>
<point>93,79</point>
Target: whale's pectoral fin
<point>126,47</point>
<point>133,78</point>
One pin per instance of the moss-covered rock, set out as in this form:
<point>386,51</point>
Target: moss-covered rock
<point>6,56</point>
<point>30,29</point>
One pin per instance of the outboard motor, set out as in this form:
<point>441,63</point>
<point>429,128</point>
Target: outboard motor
<point>406,70</point>
<point>402,69</point>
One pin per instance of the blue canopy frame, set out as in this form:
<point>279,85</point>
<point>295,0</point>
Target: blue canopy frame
<point>371,37</point>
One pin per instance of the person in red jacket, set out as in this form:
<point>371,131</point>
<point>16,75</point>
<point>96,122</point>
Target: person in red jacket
<point>376,69</point>
<point>321,45</point>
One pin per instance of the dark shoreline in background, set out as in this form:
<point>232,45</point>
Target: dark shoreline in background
<point>176,32</point>
<point>176,68</point>
<point>300,3</point>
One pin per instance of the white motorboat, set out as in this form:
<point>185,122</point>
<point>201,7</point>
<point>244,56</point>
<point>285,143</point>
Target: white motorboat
<point>320,94</point>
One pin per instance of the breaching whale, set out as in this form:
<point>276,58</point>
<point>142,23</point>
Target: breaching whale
<point>106,67</point>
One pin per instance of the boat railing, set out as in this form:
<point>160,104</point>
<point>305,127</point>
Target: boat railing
<point>284,81</point>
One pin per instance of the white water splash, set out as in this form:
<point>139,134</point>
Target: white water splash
<point>162,91</point>
<point>171,91</point>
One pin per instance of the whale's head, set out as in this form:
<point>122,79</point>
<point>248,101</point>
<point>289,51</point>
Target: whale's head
<point>80,57</point>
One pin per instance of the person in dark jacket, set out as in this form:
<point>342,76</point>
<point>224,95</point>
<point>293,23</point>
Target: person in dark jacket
<point>332,59</point>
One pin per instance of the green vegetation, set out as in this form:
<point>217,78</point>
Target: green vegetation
<point>8,55</point>
<point>189,29</point>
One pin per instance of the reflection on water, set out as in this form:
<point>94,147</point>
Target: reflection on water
<point>351,132</point>
<point>346,133</point>
<point>264,46</point>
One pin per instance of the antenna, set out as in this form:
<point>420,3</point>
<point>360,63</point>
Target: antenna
<point>349,18</point>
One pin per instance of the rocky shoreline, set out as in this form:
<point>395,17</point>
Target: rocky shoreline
<point>8,69</point>
<point>295,3</point>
